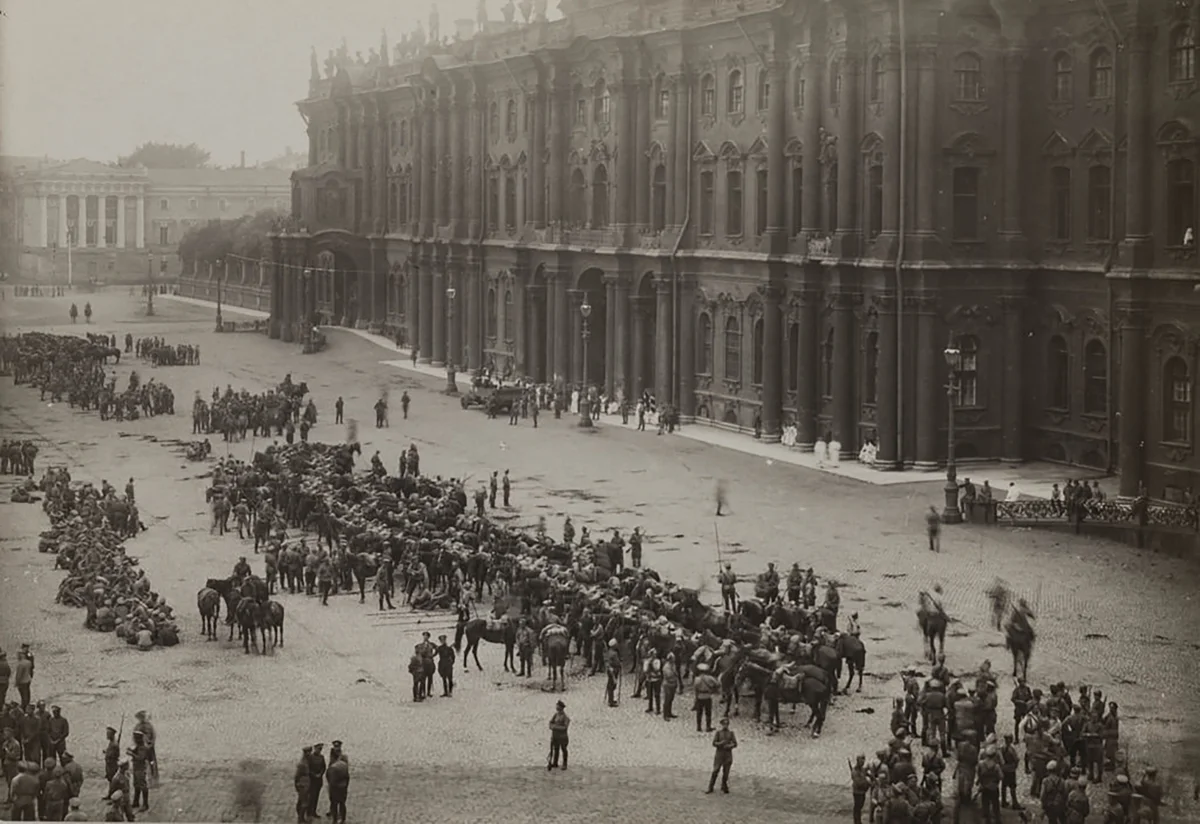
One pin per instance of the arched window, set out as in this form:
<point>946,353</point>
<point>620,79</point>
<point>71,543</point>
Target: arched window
<point>704,343</point>
<point>510,117</point>
<point>492,312</point>
<point>658,198</point>
<point>493,201</point>
<point>797,196</point>
<point>835,83</point>
<point>600,102</point>
<point>580,106</point>
<point>1060,203</point>
<point>798,87</point>
<point>394,194</point>
<point>707,202</point>
<point>708,95</point>
<point>761,198</point>
<point>874,200</point>
<point>1095,378</point>
<point>510,319</point>
<point>871,368</point>
<point>1183,55</point>
<point>1177,406</point>
<point>1181,200</point>
<point>831,197</point>
<point>1058,374</point>
<point>510,200</point>
<point>756,356</point>
<point>1100,70</point>
<point>403,133</point>
<point>793,369</point>
<point>1099,190</point>
<point>965,219</point>
<point>733,350</point>
<point>968,77</point>
<point>734,197</point>
<point>662,98</point>
<point>827,365</point>
<point>494,119</point>
<point>875,84</point>
<point>968,371</point>
<point>736,103</point>
<point>600,198</point>
<point>1063,89</point>
<point>577,207</point>
<point>762,93</point>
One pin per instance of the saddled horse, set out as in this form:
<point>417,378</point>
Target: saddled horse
<point>481,629</point>
<point>853,651</point>
<point>811,686</point>
<point>1018,638</point>
<point>208,600</point>
<point>274,622</point>
<point>556,643</point>
<point>932,619</point>
<point>251,622</point>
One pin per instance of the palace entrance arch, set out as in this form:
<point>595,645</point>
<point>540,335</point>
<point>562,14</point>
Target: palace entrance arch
<point>590,289</point>
<point>331,290</point>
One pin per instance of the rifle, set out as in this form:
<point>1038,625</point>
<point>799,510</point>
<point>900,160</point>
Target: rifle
<point>120,730</point>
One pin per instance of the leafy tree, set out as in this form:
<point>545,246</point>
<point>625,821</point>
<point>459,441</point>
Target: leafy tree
<point>245,237</point>
<point>167,156</point>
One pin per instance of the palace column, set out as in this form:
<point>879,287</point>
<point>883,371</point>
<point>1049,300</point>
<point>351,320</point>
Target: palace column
<point>641,160</point>
<point>772,360</point>
<point>101,218</point>
<point>428,169</point>
<point>626,151</point>
<point>1131,432</point>
<point>925,168</point>
<point>611,365</point>
<point>460,119</point>
<point>475,297</point>
<point>930,382</point>
<point>551,308</point>
<point>414,183</point>
<point>1013,411</point>
<point>43,233</point>
<point>680,165</point>
<point>382,179</point>
<point>438,308</point>
<point>620,300</point>
<point>288,319</point>
<point>663,339</point>
<point>1137,249</point>
<point>808,367</point>
<point>425,324</point>
<point>777,175</point>
<point>537,177</point>
<point>891,155</point>
<point>412,302</point>
<point>120,220</point>
<point>640,311</point>
<point>844,417</point>
<point>672,146</point>
<point>441,186</point>
<point>887,384</point>
<point>811,223</point>
<point>62,221</point>
<point>575,300</point>
<point>558,153</point>
<point>685,401</point>
<point>562,323</point>
<point>535,358</point>
<point>140,232</point>
<point>848,159</point>
<point>477,118</point>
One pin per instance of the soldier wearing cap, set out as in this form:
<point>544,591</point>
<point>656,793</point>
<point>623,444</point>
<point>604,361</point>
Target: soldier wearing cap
<point>932,703</point>
<point>55,792</point>
<point>73,773</point>
<point>316,777</point>
<point>31,736</point>
<point>116,807</point>
<point>1151,793</point>
<point>118,788</point>
<point>704,687</point>
<point>1022,699</point>
<point>613,670</point>
<point>57,731</point>
<point>112,753</point>
<point>1009,761</point>
<point>10,758</point>
<point>990,775</point>
<point>416,668</point>
<point>724,743</point>
<point>964,770</point>
<point>73,811</point>
<point>301,782</point>
<point>1121,791</point>
<point>860,783</point>
<point>138,756</point>
<point>445,665</point>
<point>23,792</point>
<point>427,651</point>
<point>1054,794</point>
<point>338,778</point>
<point>149,738</point>
<point>560,724</point>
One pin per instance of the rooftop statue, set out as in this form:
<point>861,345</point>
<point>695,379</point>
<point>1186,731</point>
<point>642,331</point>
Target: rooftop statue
<point>434,28</point>
<point>330,65</point>
<point>314,68</point>
<point>539,10</point>
<point>481,17</point>
<point>509,11</point>
<point>526,10</point>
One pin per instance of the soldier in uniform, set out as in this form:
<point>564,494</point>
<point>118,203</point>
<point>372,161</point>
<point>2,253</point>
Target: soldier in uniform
<point>560,723</point>
<point>57,731</point>
<point>385,583</point>
<point>704,687</point>
<point>416,668</point>
<point>1053,795</point>
<point>859,785</point>
<point>613,669</point>
<point>427,651</point>
<point>1022,700</point>
<point>635,547</point>
<point>112,753</point>
<point>10,758</point>
<point>445,665</point>
<point>1009,762</point>
<point>493,484</point>
<point>729,588</point>
<point>724,743</point>
<point>990,775</point>
<point>118,790</point>
<point>138,755</point>
<point>405,400</point>
<point>316,776</point>
<point>1152,794</point>
<point>964,771</point>
<point>339,409</point>
<point>338,777</point>
<point>301,780</point>
<point>506,487</point>
<point>150,738</point>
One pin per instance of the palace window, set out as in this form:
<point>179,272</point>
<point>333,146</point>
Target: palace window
<point>600,198</point>
<point>733,203</point>
<point>658,198</point>
<point>708,95</point>
<point>164,235</point>
<point>1064,79</point>
<point>493,120</point>
<point>871,378</point>
<point>760,201</point>
<point>968,77</point>
<point>1177,410</point>
<point>510,118</point>
<point>1182,67</point>
<point>736,103</point>
<point>581,107</point>
<point>827,365</point>
<point>756,355</point>
<point>797,197</point>
<point>733,350</point>
<point>965,220</point>
<point>1100,74</point>
<point>1058,374</point>
<point>706,203</point>
<point>492,313</point>
<point>600,102</point>
<point>493,202</point>
<point>875,88</point>
<point>510,200</point>
<point>662,98</point>
<point>1060,203</point>
<point>164,205</point>
<point>874,200</point>
<point>1099,190</point>
<point>704,339</point>
<point>968,372</point>
<point>763,91</point>
<point>798,87</point>
<point>510,317</point>
<point>1095,378</point>
<point>577,205</point>
<point>1181,200</point>
<point>835,83</point>
<point>793,371</point>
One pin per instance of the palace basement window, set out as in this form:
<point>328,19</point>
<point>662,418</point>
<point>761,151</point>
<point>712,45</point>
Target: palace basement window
<point>1177,410</point>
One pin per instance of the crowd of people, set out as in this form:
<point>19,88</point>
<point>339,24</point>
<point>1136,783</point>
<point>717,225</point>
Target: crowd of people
<point>160,353</point>
<point>281,412</point>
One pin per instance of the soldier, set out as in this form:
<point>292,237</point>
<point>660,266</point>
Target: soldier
<point>671,685</point>
<point>23,674</point>
<point>506,488</point>
<point>385,583</point>
<point>635,547</point>
<point>1078,806</point>
<point>10,759</point>
<point>729,588</point>
<point>316,776</point>
<point>1093,748</point>
<point>118,790</point>
<point>112,753</point>
<point>480,500</point>
<point>427,651</point>
<point>73,773</point>
<point>964,771</point>
<point>445,666</point>
<point>1009,761</point>
<point>57,731</point>
<point>859,785</point>
<point>1151,792</point>
<point>613,669</point>
<point>338,777</point>
<point>933,526</point>
<point>31,736</point>
<point>139,755</point>
<point>654,681</point>
<point>492,485</point>
<point>990,775</point>
<point>1022,700</point>
<point>405,400</point>
<point>1053,795</point>
<point>724,743</point>
<point>1112,736</point>
<point>704,687</point>
<point>560,723</point>
<point>74,813</point>
<point>416,668</point>
<point>339,410</point>
<point>23,791</point>
<point>302,781</point>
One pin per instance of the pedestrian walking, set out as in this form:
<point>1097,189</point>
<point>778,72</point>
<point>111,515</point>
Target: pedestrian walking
<point>339,410</point>
<point>23,674</point>
<point>933,523</point>
<point>405,400</point>
<point>560,723</point>
<point>724,743</point>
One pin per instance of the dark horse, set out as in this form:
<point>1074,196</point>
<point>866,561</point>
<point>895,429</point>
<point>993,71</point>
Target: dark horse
<point>555,646</point>
<point>853,651</point>
<point>811,686</point>
<point>932,620</point>
<point>1019,637</point>
<point>477,629</point>
<point>274,622</point>
<point>209,602</point>
<point>251,622</point>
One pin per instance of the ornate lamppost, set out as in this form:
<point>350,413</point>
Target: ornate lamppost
<point>220,264</point>
<point>150,285</point>
<point>585,402</point>
<point>951,514</point>
<point>451,377</point>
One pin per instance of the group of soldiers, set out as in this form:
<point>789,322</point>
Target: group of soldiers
<point>42,778</point>
<point>160,353</point>
<point>280,412</point>
<point>313,771</point>
<point>17,457</point>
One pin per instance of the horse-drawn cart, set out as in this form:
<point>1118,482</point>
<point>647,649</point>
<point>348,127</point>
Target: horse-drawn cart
<point>480,392</point>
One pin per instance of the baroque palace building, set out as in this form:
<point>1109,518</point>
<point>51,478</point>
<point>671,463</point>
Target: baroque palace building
<point>782,213</point>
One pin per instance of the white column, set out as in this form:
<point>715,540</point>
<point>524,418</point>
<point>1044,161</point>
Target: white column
<point>141,222</point>
<point>62,221</point>
<point>121,222</point>
<point>43,234</point>
<point>101,204</point>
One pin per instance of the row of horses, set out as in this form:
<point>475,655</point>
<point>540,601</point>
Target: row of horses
<point>249,609</point>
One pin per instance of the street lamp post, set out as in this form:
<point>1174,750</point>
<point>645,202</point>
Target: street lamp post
<point>451,377</point>
<point>220,277</point>
<point>150,286</point>
<point>951,514</point>
<point>585,402</point>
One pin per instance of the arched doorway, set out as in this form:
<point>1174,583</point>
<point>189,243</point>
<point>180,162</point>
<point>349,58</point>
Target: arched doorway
<point>645,332</point>
<point>535,346</point>
<point>331,293</point>
<point>591,287</point>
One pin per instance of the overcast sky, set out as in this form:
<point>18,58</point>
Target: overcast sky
<point>95,78</point>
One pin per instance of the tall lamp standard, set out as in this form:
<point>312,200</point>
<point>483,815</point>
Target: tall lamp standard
<point>451,377</point>
<point>220,263</point>
<point>150,286</point>
<point>951,514</point>
<point>585,402</point>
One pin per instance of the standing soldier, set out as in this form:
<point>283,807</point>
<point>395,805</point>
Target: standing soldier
<point>721,502</point>
<point>492,485</point>
<point>729,588</point>
<point>635,547</point>
<point>338,777</point>
<point>1009,762</point>
<point>933,525</point>
<point>10,758</point>
<point>506,488</point>
<point>112,753</point>
<point>57,730</point>
<point>316,776</point>
<point>405,400</point>
<point>724,743</point>
<point>23,790</point>
<point>671,684</point>
<point>23,675</point>
<point>859,785</point>
<point>301,782</point>
<point>445,666</point>
<point>559,739</point>
<point>704,687</point>
<point>1022,699</point>
<point>416,668</point>
<point>339,410</point>
<point>324,580</point>
<point>138,755</point>
<point>118,790</point>
<point>613,668</point>
<point>460,625</point>
<point>385,583</point>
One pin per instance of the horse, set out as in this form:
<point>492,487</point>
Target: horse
<point>810,686</point>
<point>726,672</point>
<point>932,619</point>
<point>854,652</point>
<point>1019,638</point>
<point>479,629</point>
<point>274,622</point>
<point>790,618</point>
<point>250,621</point>
<point>555,647</point>
<point>209,602</point>
<point>753,611</point>
<point>363,565</point>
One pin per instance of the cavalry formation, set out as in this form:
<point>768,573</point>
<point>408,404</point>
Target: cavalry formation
<point>234,414</point>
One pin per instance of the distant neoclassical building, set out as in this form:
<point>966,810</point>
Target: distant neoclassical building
<point>120,220</point>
